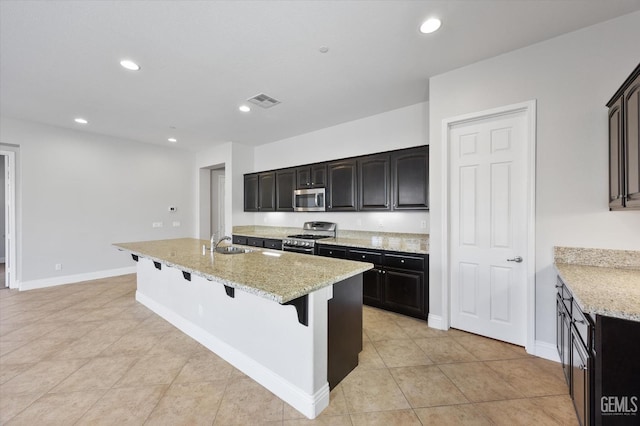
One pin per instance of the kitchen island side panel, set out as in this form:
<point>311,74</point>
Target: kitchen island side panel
<point>258,336</point>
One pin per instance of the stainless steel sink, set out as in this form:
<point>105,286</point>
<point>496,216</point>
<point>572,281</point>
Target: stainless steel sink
<point>231,250</point>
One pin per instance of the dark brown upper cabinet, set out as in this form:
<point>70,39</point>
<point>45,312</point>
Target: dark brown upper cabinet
<point>410,179</point>
<point>624,145</point>
<point>312,176</point>
<point>374,182</point>
<point>285,184</point>
<point>342,185</point>
<point>260,192</point>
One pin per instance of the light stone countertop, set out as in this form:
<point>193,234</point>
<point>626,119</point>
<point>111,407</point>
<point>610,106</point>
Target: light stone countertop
<point>275,275</point>
<point>603,282</point>
<point>390,241</point>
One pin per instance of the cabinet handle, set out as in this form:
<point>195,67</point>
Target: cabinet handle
<point>583,367</point>
<point>580,321</point>
<point>401,260</point>
<point>558,285</point>
<point>566,298</point>
<point>384,272</point>
<point>363,256</point>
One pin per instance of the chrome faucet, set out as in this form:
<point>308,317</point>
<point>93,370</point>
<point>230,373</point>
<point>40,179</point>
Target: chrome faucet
<point>223,239</point>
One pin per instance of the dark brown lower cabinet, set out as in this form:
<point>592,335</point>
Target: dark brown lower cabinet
<point>601,359</point>
<point>398,282</point>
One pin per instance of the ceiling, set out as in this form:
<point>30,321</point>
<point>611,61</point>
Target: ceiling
<point>59,59</point>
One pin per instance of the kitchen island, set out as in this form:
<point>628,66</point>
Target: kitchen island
<point>291,322</point>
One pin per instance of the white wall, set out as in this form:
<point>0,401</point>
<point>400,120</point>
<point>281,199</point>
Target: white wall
<point>400,128</point>
<point>572,77</point>
<point>2,209</point>
<point>81,192</point>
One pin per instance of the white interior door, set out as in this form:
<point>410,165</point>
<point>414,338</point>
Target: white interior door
<point>488,226</point>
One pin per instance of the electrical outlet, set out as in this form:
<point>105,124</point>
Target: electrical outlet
<point>173,209</point>
<point>156,224</point>
<point>58,266</point>
<point>176,223</point>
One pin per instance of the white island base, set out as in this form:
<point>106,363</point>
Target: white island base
<point>260,337</point>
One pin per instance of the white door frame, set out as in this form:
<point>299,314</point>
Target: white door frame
<point>529,108</point>
<point>10,219</point>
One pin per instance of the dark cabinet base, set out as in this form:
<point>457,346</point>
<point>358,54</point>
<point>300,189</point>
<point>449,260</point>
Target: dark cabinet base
<point>345,329</point>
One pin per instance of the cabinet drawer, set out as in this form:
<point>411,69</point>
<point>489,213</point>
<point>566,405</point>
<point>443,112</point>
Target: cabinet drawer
<point>255,242</point>
<point>273,244</point>
<point>366,256</point>
<point>583,326</point>
<point>239,239</point>
<point>329,251</point>
<point>414,263</point>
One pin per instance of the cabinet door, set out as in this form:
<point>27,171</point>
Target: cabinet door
<point>632,141</point>
<point>342,186</point>
<point>410,179</point>
<point>374,182</point>
<point>272,244</point>
<point>580,385</point>
<point>404,292</point>
<point>303,177</point>
<point>332,251</point>
<point>318,175</point>
<point>562,337</point>
<point>616,169</point>
<point>251,193</point>
<point>285,184</point>
<point>267,192</point>
<point>255,242</point>
<point>372,287</point>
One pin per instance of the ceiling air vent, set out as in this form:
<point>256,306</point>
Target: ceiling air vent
<point>263,101</point>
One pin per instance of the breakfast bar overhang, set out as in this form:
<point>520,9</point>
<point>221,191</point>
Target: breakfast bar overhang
<point>291,322</point>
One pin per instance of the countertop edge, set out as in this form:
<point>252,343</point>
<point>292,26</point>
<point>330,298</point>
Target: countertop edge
<point>281,299</point>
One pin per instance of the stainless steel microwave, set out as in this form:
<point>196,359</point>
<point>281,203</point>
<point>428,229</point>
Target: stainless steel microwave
<point>309,200</point>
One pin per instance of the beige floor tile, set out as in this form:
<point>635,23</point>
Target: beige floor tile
<point>98,373</point>
<point>90,345</point>
<point>71,331</point>
<point>188,404</point>
<point>341,420</point>
<point>559,407</point>
<point>401,353</point>
<point>60,409</point>
<point>42,377</point>
<point>9,371</point>
<point>427,386</point>
<point>123,406</point>
<point>175,343</point>
<point>370,314</point>
<point>135,343</point>
<point>383,330</point>
<point>10,346</point>
<point>29,332</point>
<point>386,418</point>
<point>12,404</point>
<point>369,357</point>
<point>372,390</point>
<point>478,382</point>
<point>444,350</point>
<point>205,366</point>
<point>34,351</point>
<point>246,402</point>
<point>530,377</point>
<point>516,412</point>
<point>117,327</point>
<point>155,325</point>
<point>452,415</point>
<point>488,349</point>
<point>154,370</point>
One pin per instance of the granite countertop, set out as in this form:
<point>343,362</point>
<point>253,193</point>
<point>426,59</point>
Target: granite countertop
<point>391,241</point>
<point>275,275</point>
<point>603,282</point>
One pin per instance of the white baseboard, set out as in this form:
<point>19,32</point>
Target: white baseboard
<point>309,405</point>
<point>71,279</point>
<point>435,321</point>
<point>546,350</point>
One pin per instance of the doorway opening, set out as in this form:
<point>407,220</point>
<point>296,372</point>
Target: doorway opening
<point>8,220</point>
<point>212,202</point>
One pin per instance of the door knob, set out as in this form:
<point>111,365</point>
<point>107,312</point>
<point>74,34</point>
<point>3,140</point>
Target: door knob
<point>516,259</point>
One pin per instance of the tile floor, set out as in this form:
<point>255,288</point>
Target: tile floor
<point>90,354</point>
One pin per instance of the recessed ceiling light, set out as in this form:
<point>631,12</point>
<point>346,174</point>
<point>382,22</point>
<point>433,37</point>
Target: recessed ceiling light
<point>80,120</point>
<point>130,65</point>
<point>323,49</point>
<point>174,140</point>
<point>244,108</point>
<point>430,25</point>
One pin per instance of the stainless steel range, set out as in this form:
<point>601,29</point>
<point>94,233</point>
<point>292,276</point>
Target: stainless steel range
<point>312,231</point>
